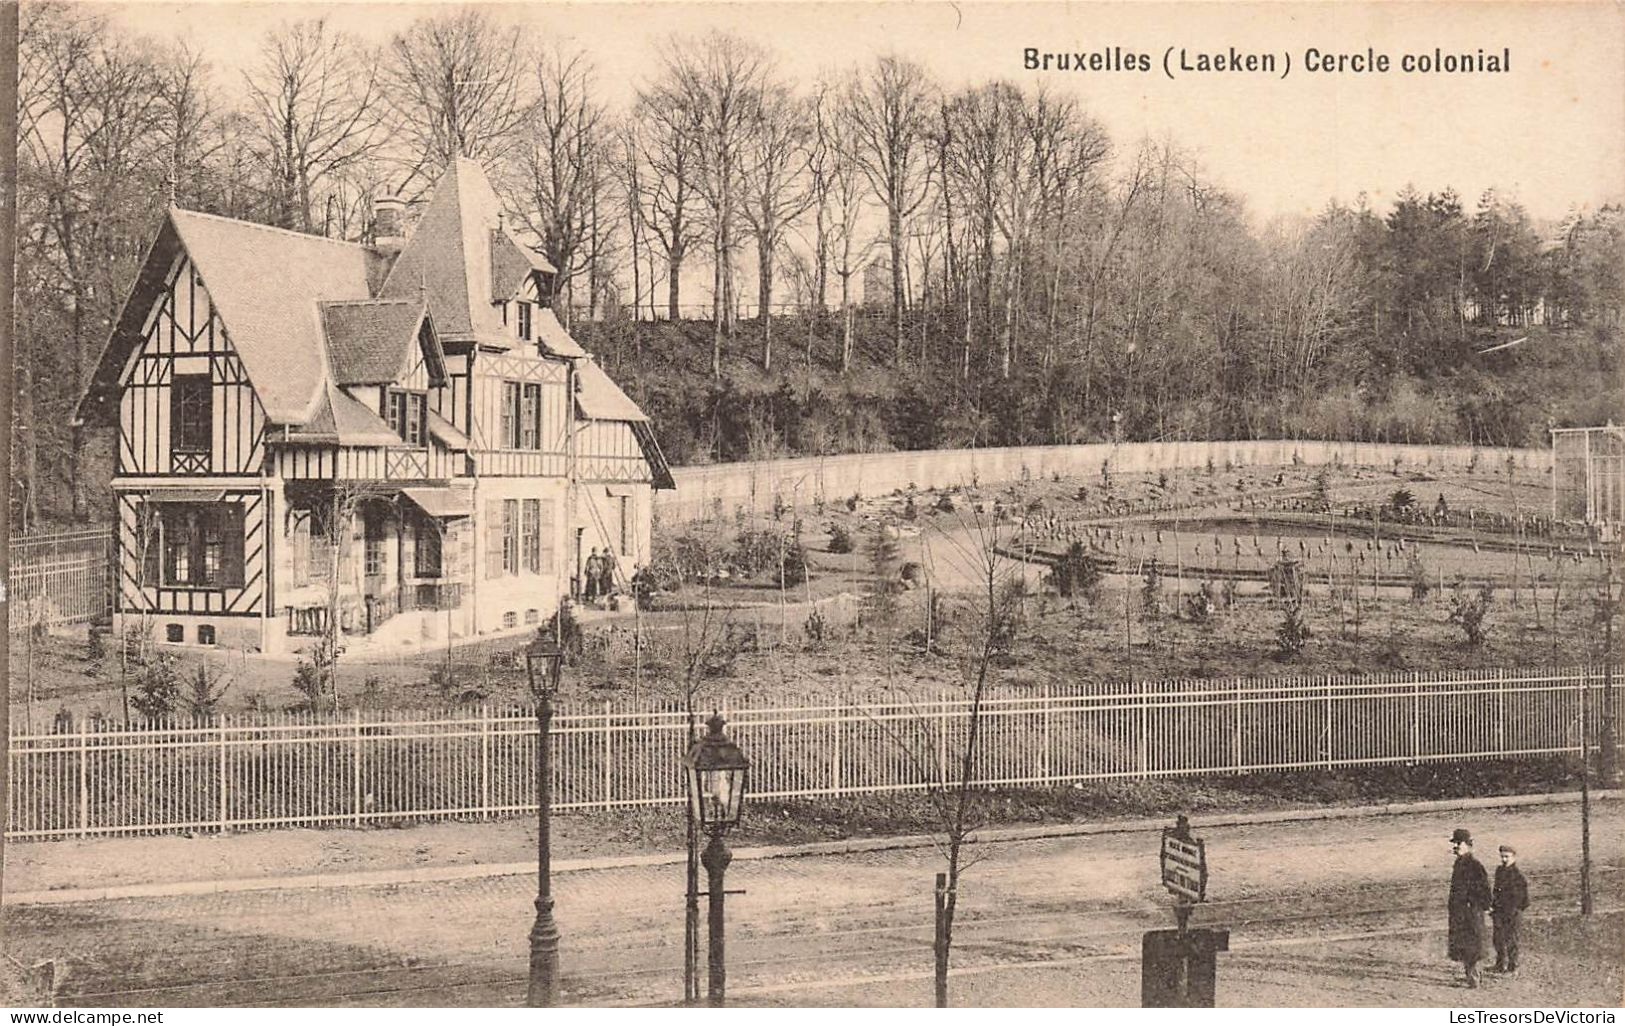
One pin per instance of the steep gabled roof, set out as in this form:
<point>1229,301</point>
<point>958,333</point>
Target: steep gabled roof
<point>373,341</point>
<point>265,283</point>
<point>459,256</point>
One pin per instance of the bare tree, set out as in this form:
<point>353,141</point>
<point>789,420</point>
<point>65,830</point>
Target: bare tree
<point>776,189</point>
<point>714,86</point>
<point>454,87</point>
<point>563,165</point>
<point>667,194</point>
<point>314,100</point>
<point>889,103</point>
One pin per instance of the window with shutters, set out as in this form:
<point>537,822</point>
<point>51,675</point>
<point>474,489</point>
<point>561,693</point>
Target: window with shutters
<point>405,412</point>
<point>426,549</point>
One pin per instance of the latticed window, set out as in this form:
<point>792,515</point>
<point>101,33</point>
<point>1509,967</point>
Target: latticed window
<point>524,319</point>
<point>404,412</point>
<point>191,413</point>
<point>201,544</point>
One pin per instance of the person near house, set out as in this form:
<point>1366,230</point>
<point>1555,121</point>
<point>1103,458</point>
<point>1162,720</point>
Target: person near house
<point>1510,898</point>
<point>1470,898</point>
<point>592,573</point>
<point>606,574</point>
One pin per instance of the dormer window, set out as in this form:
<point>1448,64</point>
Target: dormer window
<point>405,412</point>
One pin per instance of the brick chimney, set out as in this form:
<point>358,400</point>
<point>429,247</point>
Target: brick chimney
<point>388,222</point>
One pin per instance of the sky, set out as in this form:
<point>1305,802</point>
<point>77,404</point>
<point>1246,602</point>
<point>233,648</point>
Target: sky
<point>1549,131</point>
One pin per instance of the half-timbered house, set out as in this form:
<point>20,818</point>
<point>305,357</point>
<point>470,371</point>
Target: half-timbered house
<point>398,434</point>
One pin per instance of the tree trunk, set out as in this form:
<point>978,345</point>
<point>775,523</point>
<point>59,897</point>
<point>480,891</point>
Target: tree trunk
<point>674,277</point>
<point>894,221</point>
<point>764,300</point>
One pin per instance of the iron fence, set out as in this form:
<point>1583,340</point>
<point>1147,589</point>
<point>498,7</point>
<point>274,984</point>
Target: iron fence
<point>355,768</point>
<point>59,578</point>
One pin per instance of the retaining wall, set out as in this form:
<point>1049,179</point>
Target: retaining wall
<point>729,487</point>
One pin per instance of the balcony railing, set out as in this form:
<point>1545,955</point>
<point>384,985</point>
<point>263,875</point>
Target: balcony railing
<point>437,596</point>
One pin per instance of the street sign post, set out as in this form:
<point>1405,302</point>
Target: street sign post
<point>1178,968</point>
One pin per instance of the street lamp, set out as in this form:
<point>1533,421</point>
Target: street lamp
<point>544,656</point>
<point>716,790</point>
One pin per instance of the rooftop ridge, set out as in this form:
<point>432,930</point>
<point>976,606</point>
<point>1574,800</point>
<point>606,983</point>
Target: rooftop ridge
<point>270,228</point>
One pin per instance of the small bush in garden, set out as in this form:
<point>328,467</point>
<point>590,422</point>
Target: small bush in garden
<point>1293,632</point>
<point>1320,499</point>
<point>909,510</point>
<point>1227,595</point>
<point>1209,468</point>
<point>1162,480</point>
<point>1468,610</point>
<point>1106,474</point>
<point>945,503</point>
<point>793,569</point>
<point>1286,579</point>
<point>312,671</point>
<point>1401,501</point>
<point>157,687</point>
<point>372,692</point>
<point>1418,573</point>
<point>1199,607</point>
<point>840,539</point>
<point>816,629</point>
<point>1151,589</point>
<point>1075,574</point>
<point>95,646</point>
<point>852,503</point>
<point>780,507</point>
<point>206,687</point>
<point>563,628</point>
<point>1082,494</point>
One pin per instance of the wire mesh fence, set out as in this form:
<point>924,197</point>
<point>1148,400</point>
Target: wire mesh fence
<point>357,768</point>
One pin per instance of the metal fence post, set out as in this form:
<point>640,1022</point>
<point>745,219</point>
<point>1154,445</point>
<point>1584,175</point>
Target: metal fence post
<point>1143,757</point>
<point>485,762</point>
<point>1416,719</point>
<point>225,787</point>
<point>1330,731</point>
<point>355,768</point>
<point>84,781</point>
<point>835,753</point>
<point>1235,733</point>
<point>1044,756</point>
<point>609,757</point>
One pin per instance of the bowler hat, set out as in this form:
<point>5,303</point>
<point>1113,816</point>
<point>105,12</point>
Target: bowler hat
<point>1461,836</point>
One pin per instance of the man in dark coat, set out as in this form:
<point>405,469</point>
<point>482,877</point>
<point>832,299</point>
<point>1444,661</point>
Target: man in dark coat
<point>1506,911</point>
<point>1469,899</point>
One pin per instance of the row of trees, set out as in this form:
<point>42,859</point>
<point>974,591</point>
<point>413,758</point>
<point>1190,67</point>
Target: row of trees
<point>1040,284</point>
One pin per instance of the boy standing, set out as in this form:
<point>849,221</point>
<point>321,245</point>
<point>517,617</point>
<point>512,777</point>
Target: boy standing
<point>1506,910</point>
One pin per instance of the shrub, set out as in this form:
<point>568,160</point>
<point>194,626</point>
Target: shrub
<point>816,629</point>
<point>1320,500</point>
<point>206,687</point>
<point>1076,574</point>
<point>883,555</point>
<point>563,627</point>
<point>1227,594</point>
<point>1401,501</point>
<point>852,503</point>
<point>1199,607</point>
<point>945,503</point>
<point>1418,573</point>
<point>793,568</point>
<point>909,510</point>
<point>1151,589</point>
<point>1469,609</point>
<point>757,552</point>
<point>157,687</point>
<point>840,539</point>
<point>313,670</point>
<point>1293,632</point>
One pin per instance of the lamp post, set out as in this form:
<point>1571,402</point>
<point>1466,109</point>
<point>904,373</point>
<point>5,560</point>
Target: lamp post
<point>544,656</point>
<point>716,790</point>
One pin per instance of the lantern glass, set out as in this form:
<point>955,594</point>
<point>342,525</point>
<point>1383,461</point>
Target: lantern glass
<point>716,779</point>
<point>542,661</point>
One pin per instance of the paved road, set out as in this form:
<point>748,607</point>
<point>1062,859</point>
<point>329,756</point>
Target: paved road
<point>1053,921</point>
